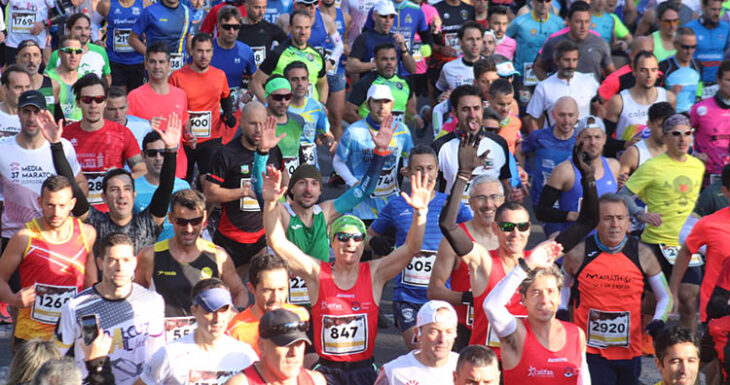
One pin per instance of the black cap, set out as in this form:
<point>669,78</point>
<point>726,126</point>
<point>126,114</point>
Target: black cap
<point>32,98</point>
<point>283,327</point>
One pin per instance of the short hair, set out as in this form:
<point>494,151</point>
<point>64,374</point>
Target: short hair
<point>200,37</point>
<point>706,2</point>
<point>383,46</point>
<point>553,270</point>
<point>468,25</point>
<point>71,21</point>
<point>662,8</point>
<point>661,110</point>
<point>508,206</point>
<point>490,113</point>
<point>89,80</point>
<point>423,149</point>
<point>190,199</point>
<point>111,240</point>
<point>116,92</point>
<point>115,172</point>
<point>476,355</point>
<point>55,183</point>
<point>151,136</point>
<point>29,357</point>
<point>684,31</point>
<point>157,47</point>
<point>497,10</point>
<point>725,176</point>
<point>58,371</point>
<point>63,39</point>
<point>612,198</point>
<point>642,55</point>
<point>670,336</point>
<point>482,179</point>
<point>563,47</point>
<point>578,6</point>
<point>461,91</point>
<point>228,12</point>
<point>294,65</point>
<point>501,86</point>
<point>298,12</point>
<point>722,68</point>
<point>205,284</point>
<point>5,78</point>
<point>265,262</point>
<point>483,66</point>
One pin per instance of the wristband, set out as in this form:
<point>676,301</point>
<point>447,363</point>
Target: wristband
<point>524,266</point>
<point>467,297</point>
<point>381,153</point>
<point>171,150</point>
<point>262,153</point>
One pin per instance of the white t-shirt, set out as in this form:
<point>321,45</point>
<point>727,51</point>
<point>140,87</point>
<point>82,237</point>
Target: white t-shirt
<point>407,370</point>
<point>20,16</point>
<point>9,125</point>
<point>183,362</point>
<point>582,88</point>
<point>498,159</point>
<point>454,74</point>
<point>22,173</point>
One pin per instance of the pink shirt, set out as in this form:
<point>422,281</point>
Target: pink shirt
<point>506,47</point>
<point>431,13</point>
<point>712,133</point>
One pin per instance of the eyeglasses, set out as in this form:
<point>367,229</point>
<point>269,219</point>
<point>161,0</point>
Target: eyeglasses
<point>688,47</point>
<point>229,27</point>
<point>484,198</point>
<point>88,99</point>
<point>387,16</point>
<point>72,50</point>
<point>492,129</point>
<point>669,23</point>
<point>284,329</point>
<point>280,97</point>
<point>677,134</point>
<point>508,227</point>
<point>185,222</point>
<point>154,153</point>
<point>344,237</point>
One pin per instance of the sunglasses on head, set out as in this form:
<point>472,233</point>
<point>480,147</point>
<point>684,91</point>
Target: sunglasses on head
<point>280,97</point>
<point>283,329</point>
<point>184,222</point>
<point>344,237</point>
<point>680,133</point>
<point>88,99</point>
<point>154,153</point>
<point>508,227</point>
<point>229,27</point>
<point>72,50</point>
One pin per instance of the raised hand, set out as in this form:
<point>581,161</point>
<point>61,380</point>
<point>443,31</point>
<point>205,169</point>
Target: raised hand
<point>50,129</point>
<point>272,189</point>
<point>468,159</point>
<point>269,139</point>
<point>171,135</point>
<point>99,347</point>
<point>25,297</point>
<point>582,160</point>
<point>421,189</point>
<point>385,134</point>
<point>544,254</point>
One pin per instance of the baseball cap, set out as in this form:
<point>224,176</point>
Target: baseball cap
<point>384,8</point>
<point>213,299</point>
<point>590,121</point>
<point>428,313</point>
<point>380,92</point>
<point>505,67</point>
<point>32,98</point>
<point>283,328</point>
<point>306,1</point>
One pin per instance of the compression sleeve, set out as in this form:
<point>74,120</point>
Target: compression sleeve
<point>338,47</point>
<point>259,168</point>
<point>663,297</point>
<point>455,235</point>
<point>628,196</point>
<point>227,105</point>
<point>161,198</point>
<point>96,20</point>
<point>356,194</point>
<point>60,163</point>
<point>587,219</point>
<point>585,376</point>
<point>342,170</point>
<point>565,292</point>
<point>500,319</point>
<point>546,211</point>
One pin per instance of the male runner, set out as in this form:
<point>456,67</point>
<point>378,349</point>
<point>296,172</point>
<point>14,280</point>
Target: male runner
<point>258,33</point>
<point>168,22</point>
<point>15,80</point>
<point>66,74</point>
<point>682,73</point>
<point>336,77</point>
<point>446,45</point>
<point>648,148</point>
<point>30,57</point>
<point>461,70</point>
<point>677,356</point>
<point>477,364</point>
<point>278,96</point>
<point>26,20</point>
<point>94,58</point>
<point>711,44</point>
<point>116,110</point>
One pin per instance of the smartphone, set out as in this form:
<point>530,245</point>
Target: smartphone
<point>89,328</point>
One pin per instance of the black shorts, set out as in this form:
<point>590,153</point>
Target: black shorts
<point>348,373</point>
<point>203,156</point>
<point>609,372</point>
<point>693,275</point>
<point>405,314</point>
<point>127,75</point>
<point>241,253</point>
<point>463,335</point>
<point>418,83</point>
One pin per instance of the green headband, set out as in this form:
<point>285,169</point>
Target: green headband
<point>277,84</point>
<point>347,224</point>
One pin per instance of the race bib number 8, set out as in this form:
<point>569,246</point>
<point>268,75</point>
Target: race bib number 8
<point>178,327</point>
<point>345,334</point>
<point>121,40</point>
<point>200,123</point>
<point>259,55</point>
<point>22,22</point>
<point>418,271</point>
<point>298,294</point>
<point>608,328</point>
<point>49,299</point>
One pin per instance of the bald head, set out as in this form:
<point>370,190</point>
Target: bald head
<point>641,43</point>
<point>566,103</point>
<point>565,114</point>
<point>252,106</point>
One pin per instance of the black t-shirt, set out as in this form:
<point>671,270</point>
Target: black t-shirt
<point>261,37</point>
<point>241,218</point>
<point>142,228</point>
<point>452,18</point>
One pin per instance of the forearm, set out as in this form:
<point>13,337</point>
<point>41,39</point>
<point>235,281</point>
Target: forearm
<point>678,270</point>
<point>96,20</point>
<point>342,170</point>
<point>338,47</point>
<point>587,219</point>
<point>217,194</point>
<point>137,44</point>
<point>100,372</point>
<point>663,297</point>
<point>352,197</point>
<point>354,65</point>
<point>60,163</point>
<point>628,196</point>
<point>546,210</point>
<point>500,319</point>
<point>438,290</point>
<point>161,198</point>
<point>457,238</point>
<point>227,105</point>
<point>258,169</point>
<point>409,63</point>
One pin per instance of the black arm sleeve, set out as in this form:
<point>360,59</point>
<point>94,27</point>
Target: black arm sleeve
<point>545,210</point>
<point>455,235</point>
<point>717,306</point>
<point>63,168</point>
<point>100,372</point>
<point>587,220</point>
<point>161,199</point>
<point>426,37</point>
<point>227,105</point>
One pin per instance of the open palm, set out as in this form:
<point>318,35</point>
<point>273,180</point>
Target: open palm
<point>50,129</point>
<point>421,189</point>
<point>385,134</point>
<point>272,189</point>
<point>269,139</point>
<point>171,135</point>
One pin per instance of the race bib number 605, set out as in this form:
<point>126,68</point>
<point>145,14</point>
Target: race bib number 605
<point>418,271</point>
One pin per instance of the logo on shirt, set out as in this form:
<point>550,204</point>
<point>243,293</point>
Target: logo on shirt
<point>135,11</point>
<point>206,272</point>
<point>296,227</point>
<point>464,14</point>
<point>117,11</point>
<point>331,306</point>
<point>447,16</point>
<point>409,19</point>
<point>355,306</point>
<point>540,373</point>
<point>569,371</point>
<point>701,110</point>
<point>244,169</point>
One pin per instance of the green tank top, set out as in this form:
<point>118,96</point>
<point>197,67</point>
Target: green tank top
<point>659,51</point>
<point>400,90</point>
<point>310,57</point>
<point>313,240</point>
<point>290,144</point>
<point>66,98</point>
<point>47,91</point>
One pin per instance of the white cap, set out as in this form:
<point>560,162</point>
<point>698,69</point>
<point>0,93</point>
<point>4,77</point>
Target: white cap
<point>590,121</point>
<point>384,7</point>
<point>429,313</point>
<point>380,92</point>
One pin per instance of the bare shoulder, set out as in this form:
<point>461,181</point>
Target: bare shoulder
<point>317,377</point>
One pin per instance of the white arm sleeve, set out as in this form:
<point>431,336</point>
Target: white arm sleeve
<point>565,293</point>
<point>663,297</point>
<point>341,168</point>
<point>338,48</point>
<point>686,229</point>
<point>585,374</point>
<point>500,319</point>
<point>96,20</point>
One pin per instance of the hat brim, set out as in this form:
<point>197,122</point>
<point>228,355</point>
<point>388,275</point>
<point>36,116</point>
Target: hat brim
<point>36,105</point>
<point>289,339</point>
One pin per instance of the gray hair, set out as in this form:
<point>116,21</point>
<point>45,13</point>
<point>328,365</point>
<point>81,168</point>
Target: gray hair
<point>59,371</point>
<point>484,178</point>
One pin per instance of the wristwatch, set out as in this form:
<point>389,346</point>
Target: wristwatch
<point>524,266</point>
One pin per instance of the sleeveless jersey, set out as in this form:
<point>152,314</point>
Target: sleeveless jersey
<point>47,91</point>
<point>337,68</point>
<point>607,300</point>
<point>643,151</point>
<point>56,270</point>
<point>119,24</point>
<point>319,33</point>
<point>254,378</point>
<point>460,282</point>
<point>481,333</point>
<point>632,120</point>
<point>660,52</point>
<point>539,365</point>
<point>312,241</point>
<point>345,321</point>
<point>174,280</point>
<point>66,99</point>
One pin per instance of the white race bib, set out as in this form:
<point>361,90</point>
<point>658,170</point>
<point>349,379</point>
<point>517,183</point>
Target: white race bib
<point>248,203</point>
<point>529,77</point>
<point>201,123</point>
<point>710,91</point>
<point>418,271</point>
<point>346,334</point>
<point>121,40</point>
<point>309,150</point>
<point>291,163</point>
<point>298,294</point>
<point>470,314</point>
<point>22,21</point>
<point>670,253</point>
<point>94,181</point>
<point>452,40</point>
<point>608,328</point>
<point>177,60</point>
<point>259,55</point>
<point>493,338</point>
<point>209,377</point>
<point>178,327</point>
<point>49,299</point>
<point>387,183</point>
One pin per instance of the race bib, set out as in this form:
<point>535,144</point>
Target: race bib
<point>22,21</point>
<point>529,77</point>
<point>418,271</point>
<point>94,181</point>
<point>493,338</point>
<point>416,53</point>
<point>465,195</point>
<point>248,203</point>
<point>178,327</point>
<point>470,314</point>
<point>298,294</point>
<point>291,163</point>
<point>200,123</point>
<point>452,40</point>
<point>310,90</point>
<point>387,183</point>
<point>696,260</point>
<point>345,334</point>
<point>121,40</point>
<point>709,91</point>
<point>177,60</point>
<point>309,151</point>
<point>209,377</point>
<point>608,328</point>
<point>670,252</point>
<point>49,299</point>
<point>328,59</point>
<point>259,55</point>
<point>398,116</point>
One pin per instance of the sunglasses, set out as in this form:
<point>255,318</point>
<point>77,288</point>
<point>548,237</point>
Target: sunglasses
<point>670,22</point>
<point>492,129</point>
<point>185,222</point>
<point>387,16</point>
<point>229,27</point>
<point>344,237</point>
<point>688,47</point>
<point>88,99</point>
<point>72,50</point>
<point>508,227</point>
<point>543,1</point>
<point>484,198</point>
<point>284,329</point>
<point>280,97</point>
<point>154,153</point>
<point>677,134</point>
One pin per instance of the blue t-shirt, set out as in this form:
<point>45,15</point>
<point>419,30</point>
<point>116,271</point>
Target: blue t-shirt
<point>169,25</point>
<point>409,20</point>
<point>603,25</point>
<point>531,35</point>
<point>711,46</point>
<point>315,122</point>
<point>238,63</point>
<point>139,127</point>
<point>688,78</point>
<point>119,23</point>
<point>411,284</point>
<point>145,191</point>
<point>549,152</point>
<point>274,8</point>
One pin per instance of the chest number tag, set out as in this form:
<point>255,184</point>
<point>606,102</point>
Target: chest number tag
<point>345,334</point>
<point>178,327</point>
<point>49,300</point>
<point>418,271</point>
<point>608,328</point>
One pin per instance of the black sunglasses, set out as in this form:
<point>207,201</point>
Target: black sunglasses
<point>154,153</point>
<point>283,329</point>
<point>184,222</point>
<point>344,237</point>
<point>229,27</point>
<point>508,227</point>
<point>688,47</point>
<point>280,97</point>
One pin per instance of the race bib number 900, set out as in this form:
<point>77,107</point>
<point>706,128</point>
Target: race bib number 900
<point>418,271</point>
<point>345,334</point>
<point>49,299</point>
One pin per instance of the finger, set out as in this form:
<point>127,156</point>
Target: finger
<point>406,198</point>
